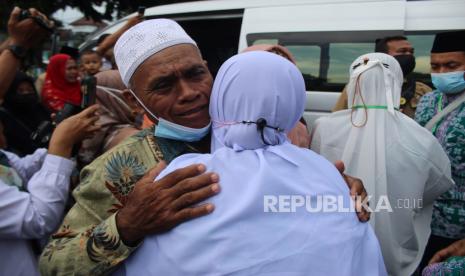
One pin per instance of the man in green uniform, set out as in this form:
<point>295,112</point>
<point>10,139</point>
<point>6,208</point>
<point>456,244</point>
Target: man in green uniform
<point>446,105</point>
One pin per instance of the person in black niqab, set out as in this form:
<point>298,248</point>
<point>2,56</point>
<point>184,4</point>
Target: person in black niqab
<point>21,114</point>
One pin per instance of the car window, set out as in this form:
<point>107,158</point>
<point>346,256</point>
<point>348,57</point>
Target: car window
<point>307,58</point>
<point>341,56</point>
<point>325,57</point>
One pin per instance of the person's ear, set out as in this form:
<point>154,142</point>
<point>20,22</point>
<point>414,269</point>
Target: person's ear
<point>132,101</point>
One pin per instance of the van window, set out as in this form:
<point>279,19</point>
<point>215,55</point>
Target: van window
<point>307,58</point>
<point>341,56</point>
<point>325,57</point>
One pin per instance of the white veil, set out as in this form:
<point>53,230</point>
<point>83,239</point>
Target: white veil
<point>392,154</point>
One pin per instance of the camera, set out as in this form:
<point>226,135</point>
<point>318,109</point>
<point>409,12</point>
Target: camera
<point>41,136</point>
<point>25,14</point>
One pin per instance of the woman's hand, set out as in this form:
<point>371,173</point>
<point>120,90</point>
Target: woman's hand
<point>73,130</point>
<point>357,192</point>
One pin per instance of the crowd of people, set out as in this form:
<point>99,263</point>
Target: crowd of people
<point>172,171</point>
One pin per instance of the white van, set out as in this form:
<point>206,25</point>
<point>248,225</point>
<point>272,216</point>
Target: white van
<point>324,36</point>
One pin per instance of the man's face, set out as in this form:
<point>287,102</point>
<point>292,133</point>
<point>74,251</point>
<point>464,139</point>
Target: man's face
<point>71,71</point>
<point>400,47</point>
<point>175,84</point>
<point>91,63</point>
<point>447,62</point>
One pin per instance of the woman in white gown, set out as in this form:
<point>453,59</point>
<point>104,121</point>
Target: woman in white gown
<point>257,98</point>
<point>402,165</point>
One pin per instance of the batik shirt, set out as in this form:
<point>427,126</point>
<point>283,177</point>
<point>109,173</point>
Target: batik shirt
<point>449,209</point>
<point>88,243</point>
<point>454,266</point>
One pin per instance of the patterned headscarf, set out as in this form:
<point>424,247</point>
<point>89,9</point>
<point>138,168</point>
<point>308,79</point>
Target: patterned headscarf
<point>277,49</point>
<point>115,115</point>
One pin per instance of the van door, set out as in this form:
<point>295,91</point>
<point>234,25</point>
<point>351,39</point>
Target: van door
<point>324,39</point>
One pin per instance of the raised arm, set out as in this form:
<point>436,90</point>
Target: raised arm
<point>110,40</point>
<point>23,35</point>
<point>37,212</point>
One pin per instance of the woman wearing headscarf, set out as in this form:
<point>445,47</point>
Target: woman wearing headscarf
<point>401,164</point>
<point>257,99</point>
<point>21,114</point>
<point>299,135</point>
<point>118,120</point>
<point>61,83</point>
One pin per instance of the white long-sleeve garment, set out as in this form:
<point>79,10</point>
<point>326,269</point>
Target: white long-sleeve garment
<point>33,214</point>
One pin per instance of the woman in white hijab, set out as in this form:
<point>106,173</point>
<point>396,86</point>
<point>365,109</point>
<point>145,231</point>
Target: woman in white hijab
<point>257,98</point>
<point>401,164</point>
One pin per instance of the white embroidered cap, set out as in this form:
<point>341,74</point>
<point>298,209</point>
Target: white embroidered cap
<point>145,39</point>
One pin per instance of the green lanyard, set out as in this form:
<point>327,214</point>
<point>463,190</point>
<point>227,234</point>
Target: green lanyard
<point>439,110</point>
<point>371,107</point>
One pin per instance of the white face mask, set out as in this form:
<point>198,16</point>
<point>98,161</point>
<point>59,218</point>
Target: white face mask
<point>170,130</point>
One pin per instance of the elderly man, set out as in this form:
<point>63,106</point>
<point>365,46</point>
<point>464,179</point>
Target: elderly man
<point>402,50</point>
<point>443,112</point>
<point>118,203</point>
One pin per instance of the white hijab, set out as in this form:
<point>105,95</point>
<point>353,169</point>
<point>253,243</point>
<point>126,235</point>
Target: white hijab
<point>239,238</point>
<point>391,153</point>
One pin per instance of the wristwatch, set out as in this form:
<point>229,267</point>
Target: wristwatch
<point>18,51</point>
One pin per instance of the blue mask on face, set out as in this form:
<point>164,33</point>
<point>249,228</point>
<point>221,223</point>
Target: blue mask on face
<point>449,83</point>
<point>170,130</point>
<point>166,129</point>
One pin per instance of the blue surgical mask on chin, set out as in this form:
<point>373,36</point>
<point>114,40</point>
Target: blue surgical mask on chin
<point>449,83</point>
<point>170,130</point>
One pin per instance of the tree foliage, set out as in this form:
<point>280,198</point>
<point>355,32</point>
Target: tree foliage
<point>48,7</point>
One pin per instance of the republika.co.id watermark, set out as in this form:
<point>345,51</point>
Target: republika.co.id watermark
<point>329,203</point>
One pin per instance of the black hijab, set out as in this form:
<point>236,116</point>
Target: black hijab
<point>21,115</point>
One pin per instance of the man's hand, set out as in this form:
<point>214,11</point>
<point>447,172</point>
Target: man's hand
<point>299,136</point>
<point>356,190</point>
<point>26,33</point>
<point>455,249</point>
<point>156,207</point>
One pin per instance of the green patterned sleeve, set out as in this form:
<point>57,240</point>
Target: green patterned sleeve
<point>87,242</point>
<point>95,251</point>
<point>425,109</point>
